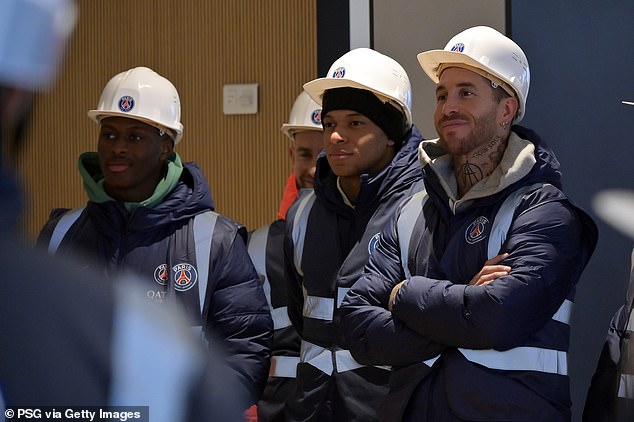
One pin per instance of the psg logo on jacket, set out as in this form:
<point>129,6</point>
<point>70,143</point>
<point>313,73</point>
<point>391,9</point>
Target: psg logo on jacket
<point>373,243</point>
<point>184,276</point>
<point>476,230</point>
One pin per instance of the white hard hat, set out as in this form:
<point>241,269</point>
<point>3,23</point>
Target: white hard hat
<point>305,115</point>
<point>144,95</point>
<point>364,68</point>
<point>487,52</point>
<point>33,37</point>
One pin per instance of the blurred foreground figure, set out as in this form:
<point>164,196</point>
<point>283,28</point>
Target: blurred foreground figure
<point>611,393</point>
<point>70,340</point>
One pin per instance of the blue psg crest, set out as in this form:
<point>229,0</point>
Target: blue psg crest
<point>458,48</point>
<point>339,72</point>
<point>373,243</point>
<point>126,103</point>
<point>476,230</point>
<point>315,117</point>
<point>185,277</point>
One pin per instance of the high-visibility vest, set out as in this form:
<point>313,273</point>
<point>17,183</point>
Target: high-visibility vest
<point>519,358</point>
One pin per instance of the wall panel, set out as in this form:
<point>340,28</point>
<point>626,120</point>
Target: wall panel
<point>199,46</point>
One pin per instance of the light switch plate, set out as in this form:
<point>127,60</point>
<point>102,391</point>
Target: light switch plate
<point>240,99</point>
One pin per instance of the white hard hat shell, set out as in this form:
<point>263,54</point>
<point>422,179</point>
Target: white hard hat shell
<point>305,115</point>
<point>141,94</point>
<point>489,53</point>
<point>33,37</point>
<point>367,69</point>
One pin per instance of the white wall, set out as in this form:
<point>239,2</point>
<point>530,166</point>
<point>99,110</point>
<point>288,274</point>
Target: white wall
<point>404,28</point>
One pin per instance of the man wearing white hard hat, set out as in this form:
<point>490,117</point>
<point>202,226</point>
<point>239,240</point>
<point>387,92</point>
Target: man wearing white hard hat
<point>368,166</point>
<point>69,340</point>
<point>151,214</point>
<point>266,248</point>
<point>304,131</point>
<point>469,293</point>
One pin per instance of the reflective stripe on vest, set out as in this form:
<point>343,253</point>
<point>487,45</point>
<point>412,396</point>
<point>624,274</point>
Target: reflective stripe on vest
<point>257,252</point>
<point>504,218</point>
<point>283,366</point>
<point>300,222</point>
<point>64,223</point>
<point>521,359</point>
<point>323,307</point>
<point>204,225</point>
<point>405,223</point>
<point>626,386</point>
<point>280,318</point>
<point>323,358</point>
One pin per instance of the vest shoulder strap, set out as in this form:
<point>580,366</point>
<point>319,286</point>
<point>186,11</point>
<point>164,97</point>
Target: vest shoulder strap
<point>203,229</point>
<point>408,235</point>
<point>62,227</point>
<point>405,227</point>
<point>300,222</point>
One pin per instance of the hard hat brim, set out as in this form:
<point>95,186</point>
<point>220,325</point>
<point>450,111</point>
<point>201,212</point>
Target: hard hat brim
<point>98,115</point>
<point>616,207</point>
<point>289,130</point>
<point>431,60</point>
<point>317,87</point>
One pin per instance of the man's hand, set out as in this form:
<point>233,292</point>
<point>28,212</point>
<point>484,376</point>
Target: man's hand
<point>491,271</point>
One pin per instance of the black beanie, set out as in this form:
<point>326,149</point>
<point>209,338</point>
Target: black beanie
<point>384,115</point>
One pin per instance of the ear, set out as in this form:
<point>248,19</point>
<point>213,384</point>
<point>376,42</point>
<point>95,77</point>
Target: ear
<point>167,146</point>
<point>508,109</point>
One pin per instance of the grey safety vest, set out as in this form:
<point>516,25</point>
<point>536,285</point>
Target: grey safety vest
<point>322,358</point>
<point>281,366</point>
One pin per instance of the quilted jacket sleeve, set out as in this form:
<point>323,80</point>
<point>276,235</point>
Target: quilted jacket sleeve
<point>549,244</point>
<point>372,334</point>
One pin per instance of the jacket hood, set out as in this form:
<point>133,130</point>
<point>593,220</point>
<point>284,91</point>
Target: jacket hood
<point>397,176</point>
<point>527,160</point>
<point>190,196</point>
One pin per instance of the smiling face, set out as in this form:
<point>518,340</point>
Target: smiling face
<point>354,144</point>
<point>468,114</point>
<point>303,151</point>
<point>132,157</point>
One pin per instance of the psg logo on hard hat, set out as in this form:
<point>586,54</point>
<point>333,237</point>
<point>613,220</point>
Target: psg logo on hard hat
<point>458,48</point>
<point>315,117</point>
<point>126,103</point>
<point>339,72</point>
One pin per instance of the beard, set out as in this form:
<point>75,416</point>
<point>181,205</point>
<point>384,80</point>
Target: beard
<point>484,130</point>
